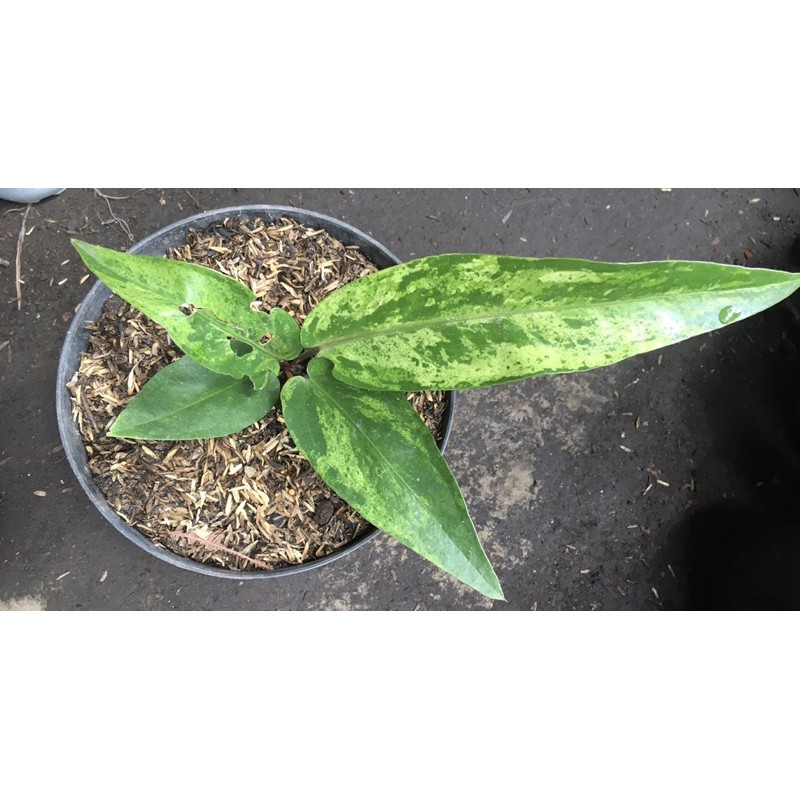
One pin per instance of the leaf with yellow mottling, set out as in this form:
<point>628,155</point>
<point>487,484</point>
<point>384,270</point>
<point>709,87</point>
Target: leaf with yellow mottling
<point>375,452</point>
<point>463,321</point>
<point>208,314</point>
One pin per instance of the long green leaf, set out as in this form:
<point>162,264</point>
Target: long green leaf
<point>375,452</point>
<point>185,400</point>
<point>207,313</point>
<point>461,321</point>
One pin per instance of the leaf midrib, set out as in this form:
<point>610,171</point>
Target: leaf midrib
<point>410,327</point>
<point>234,330</point>
<point>182,409</point>
<point>331,398</point>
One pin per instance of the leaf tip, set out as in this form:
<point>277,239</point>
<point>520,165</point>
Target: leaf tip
<point>487,582</point>
<point>88,252</point>
<point>495,593</point>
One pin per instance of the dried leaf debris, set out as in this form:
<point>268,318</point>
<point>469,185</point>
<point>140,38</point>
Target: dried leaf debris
<point>18,259</point>
<point>251,500</point>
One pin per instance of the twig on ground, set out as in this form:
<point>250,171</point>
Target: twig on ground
<point>112,197</point>
<point>18,260</point>
<point>114,218</point>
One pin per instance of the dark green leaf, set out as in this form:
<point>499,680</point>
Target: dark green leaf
<point>460,321</point>
<point>187,401</point>
<point>375,452</point>
<point>207,313</point>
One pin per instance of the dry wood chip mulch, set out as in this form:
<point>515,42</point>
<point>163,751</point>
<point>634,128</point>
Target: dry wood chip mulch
<point>247,501</point>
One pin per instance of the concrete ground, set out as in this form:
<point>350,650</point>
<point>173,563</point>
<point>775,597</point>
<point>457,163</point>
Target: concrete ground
<point>664,482</point>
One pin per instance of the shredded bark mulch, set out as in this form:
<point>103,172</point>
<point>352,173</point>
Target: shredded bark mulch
<point>247,501</point>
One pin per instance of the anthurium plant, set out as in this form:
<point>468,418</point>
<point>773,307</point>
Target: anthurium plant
<point>439,323</point>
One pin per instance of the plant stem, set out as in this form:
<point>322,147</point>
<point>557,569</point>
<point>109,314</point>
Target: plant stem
<point>291,368</point>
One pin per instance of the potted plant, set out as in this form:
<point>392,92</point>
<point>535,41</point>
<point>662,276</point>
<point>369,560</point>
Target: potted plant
<point>210,232</point>
<point>442,323</point>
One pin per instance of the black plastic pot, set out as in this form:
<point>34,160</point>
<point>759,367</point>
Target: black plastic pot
<point>77,340</point>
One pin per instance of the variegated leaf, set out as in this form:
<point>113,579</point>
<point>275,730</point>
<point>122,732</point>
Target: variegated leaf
<point>375,452</point>
<point>461,321</point>
<point>208,314</point>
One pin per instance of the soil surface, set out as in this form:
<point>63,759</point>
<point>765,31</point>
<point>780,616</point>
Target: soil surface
<point>248,500</point>
<point>664,482</point>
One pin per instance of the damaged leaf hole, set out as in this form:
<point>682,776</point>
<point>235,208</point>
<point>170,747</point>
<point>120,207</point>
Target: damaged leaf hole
<point>240,348</point>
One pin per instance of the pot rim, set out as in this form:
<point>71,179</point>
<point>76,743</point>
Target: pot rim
<point>77,337</point>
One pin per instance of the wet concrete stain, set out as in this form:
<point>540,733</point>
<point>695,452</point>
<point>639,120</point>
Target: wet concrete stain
<point>27,603</point>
